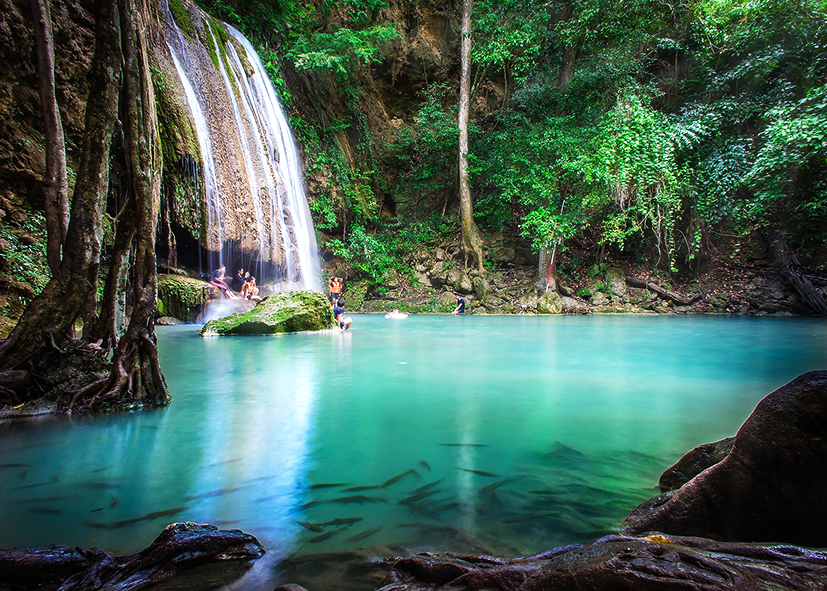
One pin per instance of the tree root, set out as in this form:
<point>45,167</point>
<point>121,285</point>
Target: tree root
<point>664,293</point>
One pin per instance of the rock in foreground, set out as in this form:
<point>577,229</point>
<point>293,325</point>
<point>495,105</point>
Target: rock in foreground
<point>278,313</point>
<point>772,485</point>
<point>619,563</point>
<point>179,547</point>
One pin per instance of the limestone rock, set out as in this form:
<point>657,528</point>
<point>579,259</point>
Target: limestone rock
<point>616,278</point>
<point>166,321</point>
<point>183,297</point>
<point>549,303</point>
<point>772,486</point>
<point>278,313</point>
<point>600,299</point>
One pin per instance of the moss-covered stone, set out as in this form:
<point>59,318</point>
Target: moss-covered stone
<point>182,297</point>
<point>291,311</point>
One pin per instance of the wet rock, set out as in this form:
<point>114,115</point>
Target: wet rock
<point>179,547</point>
<point>772,486</point>
<point>184,297</point>
<point>167,321</point>
<point>619,563</point>
<point>278,313</point>
<point>290,587</point>
<point>693,463</point>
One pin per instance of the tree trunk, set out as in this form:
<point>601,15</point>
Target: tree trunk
<point>547,270</point>
<point>51,315</point>
<point>55,183</point>
<point>136,373</point>
<point>470,236</point>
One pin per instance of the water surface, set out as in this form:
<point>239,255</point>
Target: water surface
<point>498,434</point>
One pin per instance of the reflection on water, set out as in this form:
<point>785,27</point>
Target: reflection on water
<point>494,434</point>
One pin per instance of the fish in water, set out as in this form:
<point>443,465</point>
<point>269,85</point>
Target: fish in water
<point>463,445</point>
<point>532,517</point>
<point>365,534</point>
<point>425,465</point>
<point>15,465</point>
<point>98,509</point>
<point>327,485</point>
<point>45,511</point>
<point>361,488</point>
<point>52,480</point>
<point>325,536</point>
<point>101,469</point>
<point>311,526</point>
<point>213,493</point>
<point>223,462</point>
<point>304,506</point>
<point>425,487</point>
<point>419,496</point>
<point>399,477</point>
<point>99,485</point>
<point>478,472</point>
<point>493,486</point>
<point>148,517</point>
<point>359,499</point>
<point>343,521</point>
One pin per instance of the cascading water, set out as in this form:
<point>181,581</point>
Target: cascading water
<point>257,216</point>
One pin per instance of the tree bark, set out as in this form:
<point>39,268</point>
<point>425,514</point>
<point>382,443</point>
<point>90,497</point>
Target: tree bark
<point>136,372</point>
<point>470,234</point>
<point>55,182</point>
<point>50,317</point>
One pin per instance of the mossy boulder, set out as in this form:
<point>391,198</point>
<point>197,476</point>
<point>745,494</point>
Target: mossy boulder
<point>183,297</point>
<point>278,313</point>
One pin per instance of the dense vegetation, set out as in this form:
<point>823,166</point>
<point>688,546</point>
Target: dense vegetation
<point>649,128</point>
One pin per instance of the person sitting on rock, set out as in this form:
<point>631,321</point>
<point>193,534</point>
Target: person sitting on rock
<point>250,291</point>
<point>460,309</point>
<point>239,280</point>
<point>217,279</point>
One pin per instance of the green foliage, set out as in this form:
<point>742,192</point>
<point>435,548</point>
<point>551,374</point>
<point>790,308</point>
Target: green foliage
<point>24,252</point>
<point>339,52</point>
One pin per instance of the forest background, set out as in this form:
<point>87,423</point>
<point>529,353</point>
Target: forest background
<point>678,139</point>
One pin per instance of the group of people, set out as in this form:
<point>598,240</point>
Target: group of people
<point>244,284</point>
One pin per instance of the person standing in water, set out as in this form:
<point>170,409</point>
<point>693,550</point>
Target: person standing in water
<point>339,312</point>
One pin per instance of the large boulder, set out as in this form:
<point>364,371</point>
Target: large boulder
<point>278,313</point>
<point>183,297</point>
<point>772,485</point>
<point>693,463</point>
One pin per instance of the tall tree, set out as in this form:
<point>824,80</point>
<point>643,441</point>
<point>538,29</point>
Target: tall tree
<point>55,182</point>
<point>470,233</point>
<point>120,77</point>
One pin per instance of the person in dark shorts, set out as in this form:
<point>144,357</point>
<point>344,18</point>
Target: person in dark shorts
<point>460,309</point>
<point>339,311</point>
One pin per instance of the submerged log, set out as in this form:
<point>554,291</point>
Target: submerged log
<point>620,563</point>
<point>179,547</point>
<point>772,485</point>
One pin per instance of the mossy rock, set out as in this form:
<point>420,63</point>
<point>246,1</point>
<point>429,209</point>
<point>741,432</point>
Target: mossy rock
<point>279,313</point>
<point>182,297</point>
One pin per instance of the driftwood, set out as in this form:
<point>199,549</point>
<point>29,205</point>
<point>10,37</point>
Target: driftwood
<point>664,293</point>
<point>179,547</point>
<point>789,267</point>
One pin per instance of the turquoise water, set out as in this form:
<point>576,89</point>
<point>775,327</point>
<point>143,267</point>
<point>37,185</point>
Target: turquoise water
<point>507,434</point>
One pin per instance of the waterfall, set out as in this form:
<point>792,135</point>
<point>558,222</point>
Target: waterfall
<point>257,215</point>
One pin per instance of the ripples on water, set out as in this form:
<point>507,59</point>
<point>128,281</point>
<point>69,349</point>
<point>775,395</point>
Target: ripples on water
<point>496,434</point>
